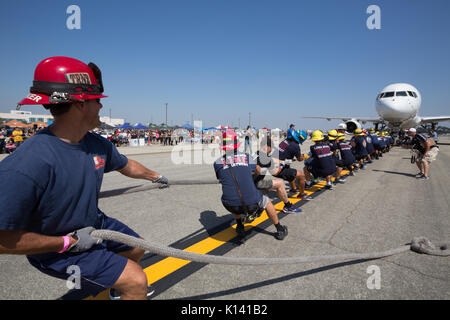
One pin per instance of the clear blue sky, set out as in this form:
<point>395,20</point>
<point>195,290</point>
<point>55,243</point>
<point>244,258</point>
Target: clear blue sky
<point>218,60</point>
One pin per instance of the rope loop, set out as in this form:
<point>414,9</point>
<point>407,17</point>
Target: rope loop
<point>423,245</point>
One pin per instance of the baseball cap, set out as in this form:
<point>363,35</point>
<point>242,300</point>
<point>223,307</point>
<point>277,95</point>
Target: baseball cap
<point>411,130</point>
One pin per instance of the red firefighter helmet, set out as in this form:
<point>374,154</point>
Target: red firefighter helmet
<point>64,79</point>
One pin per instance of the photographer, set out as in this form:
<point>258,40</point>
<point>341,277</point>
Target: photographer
<point>427,152</point>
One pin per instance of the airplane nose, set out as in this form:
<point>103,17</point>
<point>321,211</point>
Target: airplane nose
<point>393,109</point>
<point>385,107</point>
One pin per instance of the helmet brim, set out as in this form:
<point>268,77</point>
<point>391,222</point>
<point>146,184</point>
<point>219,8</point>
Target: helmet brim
<point>38,98</point>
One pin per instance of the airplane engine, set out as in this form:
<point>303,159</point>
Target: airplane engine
<point>352,125</point>
<point>411,123</point>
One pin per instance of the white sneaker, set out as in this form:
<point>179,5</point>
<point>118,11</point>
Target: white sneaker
<point>115,295</point>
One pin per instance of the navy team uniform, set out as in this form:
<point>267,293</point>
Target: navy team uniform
<point>243,166</point>
<point>323,163</point>
<point>346,154</point>
<point>288,150</point>
<point>334,147</point>
<point>375,141</point>
<point>53,189</point>
<point>383,143</point>
<point>369,145</point>
<point>360,147</point>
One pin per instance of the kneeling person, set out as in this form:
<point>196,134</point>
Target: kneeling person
<point>239,194</point>
<point>323,164</point>
<point>265,167</point>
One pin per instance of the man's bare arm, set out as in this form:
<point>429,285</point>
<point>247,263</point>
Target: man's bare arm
<point>24,242</point>
<point>135,170</point>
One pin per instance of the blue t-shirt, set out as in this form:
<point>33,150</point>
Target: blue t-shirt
<point>243,166</point>
<point>53,186</point>
<point>288,150</point>
<point>360,146</point>
<point>346,153</point>
<point>369,144</point>
<point>324,162</point>
<point>374,138</point>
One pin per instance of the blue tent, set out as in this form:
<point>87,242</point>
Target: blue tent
<point>124,126</point>
<point>140,126</point>
<point>187,126</point>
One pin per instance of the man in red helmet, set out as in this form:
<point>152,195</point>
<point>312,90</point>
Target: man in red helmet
<point>239,194</point>
<point>59,178</point>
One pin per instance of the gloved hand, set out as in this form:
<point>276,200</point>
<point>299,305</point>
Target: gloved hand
<point>163,181</point>
<point>85,241</point>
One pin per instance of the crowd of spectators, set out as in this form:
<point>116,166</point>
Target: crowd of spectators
<point>12,138</point>
<point>124,137</point>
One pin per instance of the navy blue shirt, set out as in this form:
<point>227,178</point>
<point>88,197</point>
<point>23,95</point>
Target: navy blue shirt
<point>360,146</point>
<point>243,166</point>
<point>369,147</point>
<point>53,186</point>
<point>374,138</point>
<point>324,161</point>
<point>288,149</point>
<point>346,153</point>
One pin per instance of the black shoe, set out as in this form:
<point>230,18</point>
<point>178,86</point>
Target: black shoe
<point>115,295</point>
<point>281,233</point>
<point>328,187</point>
<point>304,196</point>
<point>240,230</point>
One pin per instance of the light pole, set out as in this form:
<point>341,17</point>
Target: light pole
<point>166,113</point>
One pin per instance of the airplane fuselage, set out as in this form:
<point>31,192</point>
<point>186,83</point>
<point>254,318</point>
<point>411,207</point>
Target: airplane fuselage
<point>399,104</point>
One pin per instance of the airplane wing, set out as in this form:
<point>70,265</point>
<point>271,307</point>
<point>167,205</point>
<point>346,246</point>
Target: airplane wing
<point>359,119</point>
<point>434,119</point>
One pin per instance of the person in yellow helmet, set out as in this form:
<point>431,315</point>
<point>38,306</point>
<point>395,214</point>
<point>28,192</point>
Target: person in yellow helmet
<point>359,144</point>
<point>332,142</point>
<point>376,143</point>
<point>345,150</point>
<point>323,164</point>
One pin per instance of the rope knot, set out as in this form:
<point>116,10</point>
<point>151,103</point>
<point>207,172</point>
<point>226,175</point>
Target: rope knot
<point>423,245</point>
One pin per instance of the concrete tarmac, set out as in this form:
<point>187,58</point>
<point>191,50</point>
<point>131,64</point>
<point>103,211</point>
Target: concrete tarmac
<point>380,208</point>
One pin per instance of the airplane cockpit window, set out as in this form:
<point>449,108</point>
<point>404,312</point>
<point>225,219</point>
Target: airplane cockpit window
<point>388,94</point>
<point>410,94</point>
<point>415,94</point>
<point>401,94</point>
<point>380,96</point>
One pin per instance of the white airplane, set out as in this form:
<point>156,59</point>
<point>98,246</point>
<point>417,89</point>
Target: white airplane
<point>398,106</point>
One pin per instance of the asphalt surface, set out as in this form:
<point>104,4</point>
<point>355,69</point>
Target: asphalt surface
<point>381,208</point>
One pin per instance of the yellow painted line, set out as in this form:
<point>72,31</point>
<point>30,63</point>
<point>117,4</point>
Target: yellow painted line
<point>163,268</point>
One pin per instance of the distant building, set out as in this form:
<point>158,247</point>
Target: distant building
<point>112,121</point>
<point>28,116</point>
<point>25,116</point>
